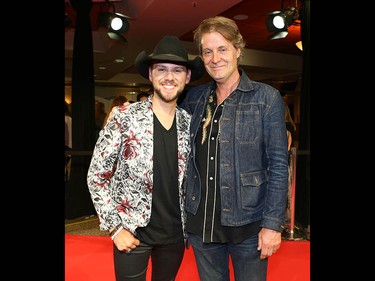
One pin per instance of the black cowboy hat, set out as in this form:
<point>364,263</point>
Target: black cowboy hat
<point>169,49</point>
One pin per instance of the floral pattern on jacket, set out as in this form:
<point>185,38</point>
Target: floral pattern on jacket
<point>120,175</point>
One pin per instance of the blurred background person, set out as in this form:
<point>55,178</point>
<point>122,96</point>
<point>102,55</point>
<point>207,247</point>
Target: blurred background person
<point>117,101</point>
<point>100,113</point>
<point>142,96</point>
<point>290,129</point>
<point>68,140</point>
<point>68,127</point>
<point>290,125</point>
<point>100,116</point>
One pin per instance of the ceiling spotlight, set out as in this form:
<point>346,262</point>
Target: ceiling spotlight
<point>116,24</point>
<point>279,21</point>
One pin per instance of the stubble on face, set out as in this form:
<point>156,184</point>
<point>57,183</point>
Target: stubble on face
<point>168,88</point>
<point>166,97</point>
<point>222,61</point>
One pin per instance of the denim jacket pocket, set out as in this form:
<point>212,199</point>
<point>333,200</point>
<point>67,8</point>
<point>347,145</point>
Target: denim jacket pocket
<point>253,188</point>
<point>247,126</point>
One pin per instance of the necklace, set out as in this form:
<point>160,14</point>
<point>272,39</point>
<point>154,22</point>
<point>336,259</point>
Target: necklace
<point>207,120</point>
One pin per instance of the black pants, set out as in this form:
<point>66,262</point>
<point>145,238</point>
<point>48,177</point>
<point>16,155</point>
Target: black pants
<point>165,260</point>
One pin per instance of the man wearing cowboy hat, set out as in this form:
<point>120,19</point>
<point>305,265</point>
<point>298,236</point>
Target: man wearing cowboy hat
<point>138,166</point>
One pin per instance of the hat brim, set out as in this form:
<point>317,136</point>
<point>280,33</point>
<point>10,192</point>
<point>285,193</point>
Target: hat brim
<point>143,62</point>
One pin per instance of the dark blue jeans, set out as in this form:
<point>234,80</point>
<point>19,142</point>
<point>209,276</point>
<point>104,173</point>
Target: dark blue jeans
<point>165,259</point>
<point>213,260</point>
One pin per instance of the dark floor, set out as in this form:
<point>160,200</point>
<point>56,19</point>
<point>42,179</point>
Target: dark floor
<point>84,226</point>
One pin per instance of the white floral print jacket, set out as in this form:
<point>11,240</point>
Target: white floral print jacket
<point>120,175</point>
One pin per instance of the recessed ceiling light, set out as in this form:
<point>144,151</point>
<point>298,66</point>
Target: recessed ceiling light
<point>241,17</point>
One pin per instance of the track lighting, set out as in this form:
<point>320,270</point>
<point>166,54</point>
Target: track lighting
<point>279,21</point>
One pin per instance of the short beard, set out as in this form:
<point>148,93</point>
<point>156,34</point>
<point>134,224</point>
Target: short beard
<point>167,99</point>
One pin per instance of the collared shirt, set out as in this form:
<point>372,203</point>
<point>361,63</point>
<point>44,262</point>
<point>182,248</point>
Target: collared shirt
<point>208,161</point>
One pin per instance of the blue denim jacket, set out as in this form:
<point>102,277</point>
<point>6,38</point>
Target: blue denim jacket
<point>253,154</point>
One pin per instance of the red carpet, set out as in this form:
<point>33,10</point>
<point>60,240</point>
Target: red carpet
<point>89,258</point>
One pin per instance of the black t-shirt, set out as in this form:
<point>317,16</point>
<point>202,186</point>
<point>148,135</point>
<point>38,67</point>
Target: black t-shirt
<point>165,225</point>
